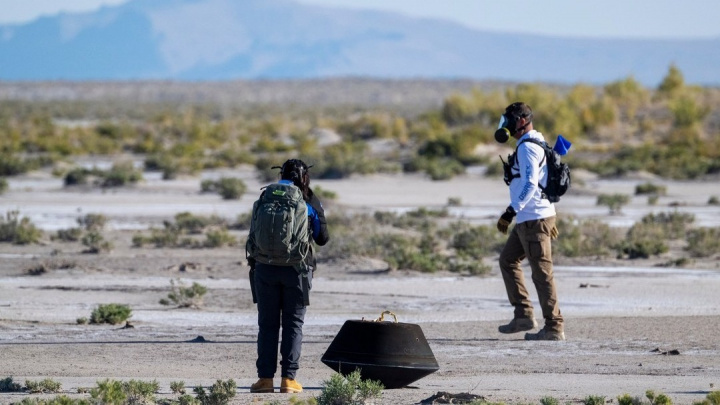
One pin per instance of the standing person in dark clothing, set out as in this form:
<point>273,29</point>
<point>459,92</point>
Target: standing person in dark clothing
<point>281,283</point>
<point>534,215</point>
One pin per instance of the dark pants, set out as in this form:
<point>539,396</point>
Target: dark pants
<point>280,303</point>
<point>531,240</point>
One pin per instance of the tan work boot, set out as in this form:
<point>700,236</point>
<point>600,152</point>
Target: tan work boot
<point>290,386</point>
<point>263,385</point>
<point>544,334</point>
<point>518,325</point>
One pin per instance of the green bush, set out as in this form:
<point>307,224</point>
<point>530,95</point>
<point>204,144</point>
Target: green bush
<point>703,242</point>
<point>643,240</point>
<point>110,313</point>
<point>477,242</point>
<point>216,238</point>
<point>8,385</point>
<point>584,238</point>
<point>93,222</point>
<point>614,202</point>
<point>45,386</point>
<point>3,185</point>
<point>229,188</point>
<point>177,387</point>
<point>109,392</point>
<point>594,400</point>
<point>120,174</point>
<point>650,188</point>
<point>713,200</point>
<point>549,401</point>
<point>220,393</point>
<point>674,225</point>
<point>349,390</point>
<point>19,231</point>
<point>69,235</point>
<point>185,297</point>
<point>95,243</point>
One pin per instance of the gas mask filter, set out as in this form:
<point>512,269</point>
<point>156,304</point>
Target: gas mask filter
<point>504,131</point>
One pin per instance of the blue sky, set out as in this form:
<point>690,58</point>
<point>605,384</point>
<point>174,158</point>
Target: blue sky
<point>586,18</point>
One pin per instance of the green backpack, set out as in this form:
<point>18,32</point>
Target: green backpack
<point>279,227</point>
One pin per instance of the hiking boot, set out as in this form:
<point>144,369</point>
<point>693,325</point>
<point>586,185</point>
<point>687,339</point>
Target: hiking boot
<point>290,386</point>
<point>262,385</point>
<point>544,334</point>
<point>518,325</point>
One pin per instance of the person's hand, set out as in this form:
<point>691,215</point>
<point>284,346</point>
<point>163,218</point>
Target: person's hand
<point>554,232</point>
<point>506,219</point>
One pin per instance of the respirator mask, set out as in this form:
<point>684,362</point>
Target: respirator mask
<point>506,128</point>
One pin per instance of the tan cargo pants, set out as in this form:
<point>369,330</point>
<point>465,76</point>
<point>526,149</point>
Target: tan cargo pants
<point>531,239</point>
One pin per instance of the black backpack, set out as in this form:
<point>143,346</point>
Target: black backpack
<point>558,181</point>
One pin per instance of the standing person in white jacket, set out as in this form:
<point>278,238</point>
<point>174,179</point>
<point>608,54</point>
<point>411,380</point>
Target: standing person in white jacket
<point>534,228</point>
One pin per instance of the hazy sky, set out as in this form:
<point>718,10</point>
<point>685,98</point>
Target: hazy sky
<point>587,18</point>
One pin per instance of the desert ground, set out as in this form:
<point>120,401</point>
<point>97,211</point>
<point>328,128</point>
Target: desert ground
<point>624,318</point>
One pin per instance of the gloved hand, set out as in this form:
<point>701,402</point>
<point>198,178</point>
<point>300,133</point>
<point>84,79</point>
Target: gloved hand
<point>505,219</point>
<point>554,232</point>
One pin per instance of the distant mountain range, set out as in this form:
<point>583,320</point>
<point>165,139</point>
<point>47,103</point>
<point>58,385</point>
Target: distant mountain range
<point>282,39</point>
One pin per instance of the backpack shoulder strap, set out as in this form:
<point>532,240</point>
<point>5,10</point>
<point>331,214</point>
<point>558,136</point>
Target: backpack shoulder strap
<point>542,144</point>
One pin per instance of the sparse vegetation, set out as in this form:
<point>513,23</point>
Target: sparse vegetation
<point>349,390</point>
<point>219,394</point>
<point>185,297</point>
<point>17,230</point>
<point>42,387</point>
<point>614,202</point>
<point>230,188</point>
<point>8,385</point>
<point>110,313</point>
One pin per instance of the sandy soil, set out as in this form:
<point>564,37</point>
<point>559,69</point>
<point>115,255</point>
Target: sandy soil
<point>617,312</point>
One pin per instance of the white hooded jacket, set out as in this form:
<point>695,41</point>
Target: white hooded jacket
<point>525,193</point>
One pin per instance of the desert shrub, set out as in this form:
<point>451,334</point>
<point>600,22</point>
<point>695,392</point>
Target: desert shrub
<point>438,168</point>
<point>45,386</point>
<point>703,242</point>
<point>19,231</point>
<point>140,392</point>
<point>673,224</point>
<point>48,265</point>
<point>323,194</point>
<point>659,399</point>
<point>185,222</point>
<point>230,188</point>
<point>404,252</point>
<point>653,199</point>
<point>614,202</point>
<point>82,321</point>
<point>218,238</point>
<point>713,200</point>
<point>110,313</point>
<point>96,243</point>
<point>594,400</point>
<point>349,390</point>
<point>177,387</point>
<point>626,399</point>
<point>643,240</point>
<point>69,235</point>
<point>109,392</point>
<point>120,174</point>
<point>713,398</point>
<point>8,385</point>
<point>477,241</point>
<point>584,238</point>
<point>185,297</point>
<point>93,222</point>
<point>3,185</point>
<point>454,202</point>
<point>219,394</point>
<point>77,176</point>
<point>549,401</point>
<point>650,188</point>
